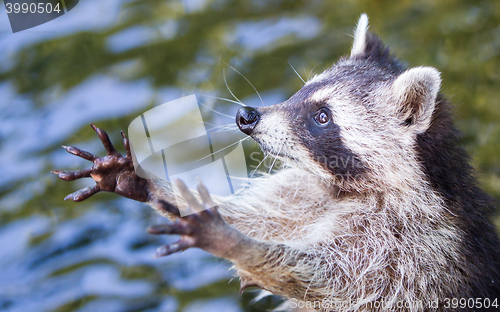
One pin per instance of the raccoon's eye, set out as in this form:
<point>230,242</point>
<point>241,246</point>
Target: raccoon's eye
<point>322,117</point>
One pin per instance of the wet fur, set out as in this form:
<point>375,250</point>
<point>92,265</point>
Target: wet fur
<point>402,219</point>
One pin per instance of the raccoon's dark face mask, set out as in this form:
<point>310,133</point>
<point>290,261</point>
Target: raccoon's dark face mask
<point>352,111</point>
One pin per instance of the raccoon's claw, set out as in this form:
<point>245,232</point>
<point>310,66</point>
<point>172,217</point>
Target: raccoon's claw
<point>203,227</point>
<point>83,193</point>
<point>112,173</point>
<point>70,175</point>
<point>167,207</point>
<point>193,205</point>
<point>126,144</point>
<point>80,153</point>
<point>110,149</point>
<point>176,228</point>
<point>246,282</point>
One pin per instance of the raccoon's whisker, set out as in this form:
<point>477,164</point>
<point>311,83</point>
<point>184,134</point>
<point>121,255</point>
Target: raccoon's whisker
<point>227,86</point>
<point>275,159</point>
<point>211,154</point>
<point>279,204</point>
<point>229,129</point>
<point>223,99</point>
<point>255,170</point>
<point>280,197</point>
<point>208,130</point>
<point>221,127</point>
<point>204,131</point>
<point>213,110</point>
<point>296,72</point>
<point>272,165</point>
<point>296,162</point>
<point>304,68</point>
<point>214,125</point>
<point>310,73</point>
<point>248,82</point>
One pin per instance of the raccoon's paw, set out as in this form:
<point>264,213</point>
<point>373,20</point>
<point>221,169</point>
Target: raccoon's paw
<point>112,173</point>
<point>203,227</point>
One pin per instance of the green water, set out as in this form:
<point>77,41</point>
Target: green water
<point>108,61</point>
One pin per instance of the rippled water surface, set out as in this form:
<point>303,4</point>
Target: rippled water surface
<point>109,61</point>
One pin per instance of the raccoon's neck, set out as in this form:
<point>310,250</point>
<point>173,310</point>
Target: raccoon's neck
<point>446,164</point>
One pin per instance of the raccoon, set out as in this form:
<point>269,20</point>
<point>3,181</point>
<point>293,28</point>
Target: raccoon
<point>377,209</point>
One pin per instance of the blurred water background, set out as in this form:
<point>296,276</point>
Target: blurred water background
<point>109,61</point>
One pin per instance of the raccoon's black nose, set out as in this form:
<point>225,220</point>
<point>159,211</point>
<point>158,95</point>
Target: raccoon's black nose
<point>247,118</point>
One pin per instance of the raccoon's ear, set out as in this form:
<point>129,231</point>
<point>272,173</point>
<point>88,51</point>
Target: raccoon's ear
<point>415,92</point>
<point>359,44</point>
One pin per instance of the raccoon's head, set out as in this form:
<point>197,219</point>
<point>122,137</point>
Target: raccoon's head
<point>356,123</point>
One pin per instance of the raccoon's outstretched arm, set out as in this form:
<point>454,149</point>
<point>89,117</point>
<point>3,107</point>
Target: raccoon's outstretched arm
<point>277,267</point>
<point>115,173</point>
